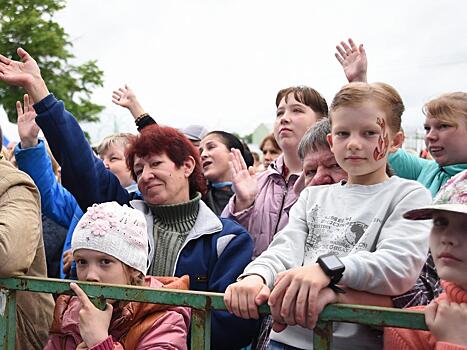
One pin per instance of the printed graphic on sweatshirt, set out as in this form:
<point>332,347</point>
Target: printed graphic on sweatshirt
<point>330,233</point>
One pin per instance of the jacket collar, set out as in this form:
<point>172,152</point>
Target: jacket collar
<point>66,313</point>
<point>206,223</point>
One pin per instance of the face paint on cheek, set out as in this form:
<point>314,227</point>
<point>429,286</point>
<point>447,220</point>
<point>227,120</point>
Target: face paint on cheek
<point>383,141</point>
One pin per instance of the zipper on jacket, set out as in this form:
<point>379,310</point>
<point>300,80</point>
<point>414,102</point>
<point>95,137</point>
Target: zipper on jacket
<point>286,190</point>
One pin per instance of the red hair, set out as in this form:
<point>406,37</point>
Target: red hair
<point>156,139</point>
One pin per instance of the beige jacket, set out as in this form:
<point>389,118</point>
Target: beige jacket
<point>22,253</point>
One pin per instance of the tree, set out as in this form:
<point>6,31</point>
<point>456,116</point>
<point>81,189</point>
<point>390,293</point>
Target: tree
<point>29,24</point>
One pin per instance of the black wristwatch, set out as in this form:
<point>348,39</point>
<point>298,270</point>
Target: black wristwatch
<point>333,267</point>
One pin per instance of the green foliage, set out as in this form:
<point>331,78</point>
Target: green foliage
<point>29,24</point>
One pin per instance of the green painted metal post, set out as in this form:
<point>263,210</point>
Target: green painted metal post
<point>322,336</point>
<point>200,329</point>
<point>99,302</point>
<point>7,319</point>
<point>11,319</point>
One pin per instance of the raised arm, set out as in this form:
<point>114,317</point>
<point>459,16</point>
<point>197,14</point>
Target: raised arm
<point>353,60</point>
<point>125,97</point>
<point>25,74</point>
<point>31,156</point>
<point>83,174</point>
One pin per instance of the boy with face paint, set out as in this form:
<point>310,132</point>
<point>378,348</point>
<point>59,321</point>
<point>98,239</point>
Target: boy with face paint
<point>357,222</point>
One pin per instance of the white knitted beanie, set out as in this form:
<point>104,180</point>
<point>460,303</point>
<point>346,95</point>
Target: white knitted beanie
<point>119,231</point>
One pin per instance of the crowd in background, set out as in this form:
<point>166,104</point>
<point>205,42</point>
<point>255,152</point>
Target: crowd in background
<point>335,211</point>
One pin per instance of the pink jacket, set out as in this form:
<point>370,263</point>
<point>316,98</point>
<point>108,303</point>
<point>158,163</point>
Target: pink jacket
<point>168,331</point>
<point>270,211</point>
<point>411,339</point>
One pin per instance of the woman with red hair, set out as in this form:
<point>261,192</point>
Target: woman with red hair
<point>185,236</point>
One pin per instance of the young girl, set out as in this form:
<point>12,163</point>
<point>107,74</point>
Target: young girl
<point>215,150</point>
<point>446,315</point>
<point>262,202</point>
<point>351,233</point>
<point>110,246</point>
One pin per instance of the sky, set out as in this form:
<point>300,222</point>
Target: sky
<point>220,63</point>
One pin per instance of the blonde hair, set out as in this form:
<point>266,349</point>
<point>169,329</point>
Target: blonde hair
<point>121,139</point>
<point>355,94</point>
<point>448,107</point>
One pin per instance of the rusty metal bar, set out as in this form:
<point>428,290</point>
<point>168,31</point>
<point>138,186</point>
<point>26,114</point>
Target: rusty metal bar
<point>200,329</point>
<point>322,336</point>
<point>202,303</point>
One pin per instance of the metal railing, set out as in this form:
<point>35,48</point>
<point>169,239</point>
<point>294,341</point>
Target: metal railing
<point>202,303</point>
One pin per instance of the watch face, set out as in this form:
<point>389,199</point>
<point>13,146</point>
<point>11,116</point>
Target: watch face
<point>332,262</point>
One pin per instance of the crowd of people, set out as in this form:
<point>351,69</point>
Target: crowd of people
<point>337,212</point>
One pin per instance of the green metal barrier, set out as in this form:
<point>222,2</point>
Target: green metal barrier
<point>202,303</point>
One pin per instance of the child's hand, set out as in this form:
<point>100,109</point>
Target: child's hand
<point>446,321</point>
<point>353,60</point>
<point>243,298</point>
<point>295,297</point>
<point>93,323</point>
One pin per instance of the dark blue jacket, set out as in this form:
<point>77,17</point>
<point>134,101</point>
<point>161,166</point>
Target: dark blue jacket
<point>216,250</point>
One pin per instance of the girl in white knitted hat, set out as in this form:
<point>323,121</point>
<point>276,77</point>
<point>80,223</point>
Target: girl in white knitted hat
<point>110,245</point>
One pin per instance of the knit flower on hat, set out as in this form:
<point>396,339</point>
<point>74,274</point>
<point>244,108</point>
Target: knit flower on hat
<point>99,220</point>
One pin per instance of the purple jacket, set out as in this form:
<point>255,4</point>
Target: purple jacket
<point>270,211</point>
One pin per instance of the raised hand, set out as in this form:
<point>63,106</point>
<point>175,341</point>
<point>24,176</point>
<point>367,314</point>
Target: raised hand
<point>27,127</point>
<point>295,297</point>
<point>447,321</point>
<point>93,323</point>
<point>353,60</point>
<point>243,297</point>
<point>244,181</point>
<point>24,73</point>
<point>125,97</point>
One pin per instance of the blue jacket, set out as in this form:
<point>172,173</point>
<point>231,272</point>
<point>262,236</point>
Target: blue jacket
<point>216,250</point>
<point>57,203</point>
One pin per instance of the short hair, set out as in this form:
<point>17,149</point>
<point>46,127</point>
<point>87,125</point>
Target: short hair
<point>315,138</point>
<point>121,139</point>
<point>355,94</point>
<point>447,107</point>
<point>231,141</point>
<point>156,139</point>
<point>306,95</point>
<point>273,140</point>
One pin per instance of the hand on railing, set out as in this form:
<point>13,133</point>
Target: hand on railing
<point>93,323</point>
<point>243,297</point>
<point>443,320</point>
<point>297,298</point>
